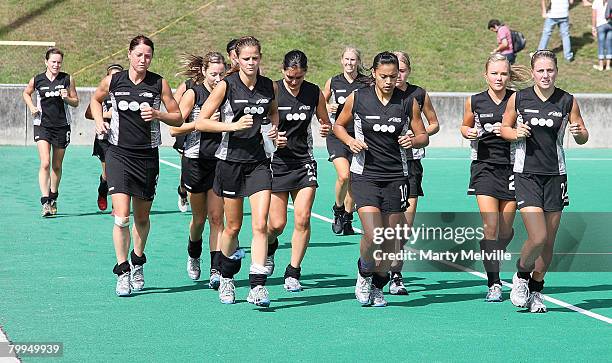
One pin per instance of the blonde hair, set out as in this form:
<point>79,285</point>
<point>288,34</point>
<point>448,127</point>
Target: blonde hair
<point>520,76</point>
<point>404,58</point>
<point>360,68</point>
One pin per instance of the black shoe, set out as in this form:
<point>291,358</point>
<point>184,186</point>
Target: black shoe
<point>347,224</point>
<point>337,226</point>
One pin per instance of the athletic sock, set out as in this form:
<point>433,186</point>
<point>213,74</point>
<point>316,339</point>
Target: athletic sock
<point>535,286</point>
<point>194,248</point>
<point>295,272</point>
<point>138,260</point>
<point>272,247</point>
<point>121,268</point>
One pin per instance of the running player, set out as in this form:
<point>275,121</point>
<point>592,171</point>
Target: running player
<point>55,91</point>
<point>492,178</point>
<point>294,168</point>
<point>132,160</point>
<point>336,91</point>
<point>382,116</point>
<point>101,143</point>
<point>198,166</point>
<point>536,118</point>
<point>192,73</point>
<point>248,108</point>
<point>396,285</point>
<point>231,52</point>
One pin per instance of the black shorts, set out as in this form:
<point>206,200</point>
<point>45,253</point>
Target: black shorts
<point>179,144</point>
<point>493,180</point>
<point>198,174</point>
<point>337,149</point>
<point>239,180</point>
<point>415,178</point>
<point>99,148</point>
<point>131,174</point>
<point>56,136</point>
<point>548,192</point>
<point>388,196</point>
<point>287,177</point>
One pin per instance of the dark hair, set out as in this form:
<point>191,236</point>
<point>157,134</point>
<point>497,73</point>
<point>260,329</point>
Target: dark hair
<point>114,66</point>
<point>142,39</point>
<point>543,53</point>
<point>248,41</point>
<point>194,64</point>
<point>53,50</point>
<point>231,45</point>
<point>295,59</point>
<point>493,23</point>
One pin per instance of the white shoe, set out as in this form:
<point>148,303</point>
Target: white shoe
<point>193,268</point>
<point>377,298</point>
<point>535,303</point>
<point>214,280</point>
<point>494,294</point>
<point>520,291</point>
<point>123,287</point>
<point>363,289</point>
<point>269,265</point>
<point>137,277</point>
<point>396,285</point>
<point>259,296</point>
<point>227,290</point>
<point>292,284</point>
<point>183,204</point>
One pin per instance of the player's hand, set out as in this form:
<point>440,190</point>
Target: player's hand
<point>471,134</point>
<point>147,113</point>
<point>245,122</point>
<point>332,107</point>
<point>324,130</point>
<point>35,113</point>
<point>273,133</point>
<point>497,129</point>
<point>357,146</point>
<point>522,131</point>
<point>577,129</point>
<point>102,128</point>
<point>64,93</point>
<point>405,141</point>
<point>281,139</point>
<point>216,116</point>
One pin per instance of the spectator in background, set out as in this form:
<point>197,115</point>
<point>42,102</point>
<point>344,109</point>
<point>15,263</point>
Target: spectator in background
<point>504,40</point>
<point>557,13</point>
<point>603,31</point>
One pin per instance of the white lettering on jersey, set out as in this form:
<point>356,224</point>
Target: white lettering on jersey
<point>531,111</point>
<point>262,100</point>
<point>146,94</point>
<point>122,93</point>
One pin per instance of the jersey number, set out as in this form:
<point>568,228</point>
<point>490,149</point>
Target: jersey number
<point>311,172</point>
<point>403,194</point>
<point>511,183</point>
<point>564,196</point>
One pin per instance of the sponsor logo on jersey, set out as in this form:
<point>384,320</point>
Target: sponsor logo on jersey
<point>542,122</point>
<point>43,88</point>
<point>490,127</point>
<point>52,94</point>
<point>372,117</point>
<point>262,101</point>
<point>340,90</point>
<point>59,86</point>
<point>146,94</point>
<point>395,119</point>
<point>555,113</point>
<point>122,93</point>
<point>485,115</point>
<point>384,128</point>
<point>254,110</point>
<point>304,107</point>
<point>341,100</point>
<point>296,116</point>
<point>241,101</point>
<point>284,108</point>
<point>527,110</point>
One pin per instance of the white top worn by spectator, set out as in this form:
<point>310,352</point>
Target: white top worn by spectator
<point>558,9</point>
<point>598,5</point>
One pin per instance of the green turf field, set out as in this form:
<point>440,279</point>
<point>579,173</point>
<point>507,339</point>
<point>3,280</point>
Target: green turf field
<point>56,283</point>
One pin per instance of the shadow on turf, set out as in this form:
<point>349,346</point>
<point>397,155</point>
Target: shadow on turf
<point>153,213</point>
<point>587,305</point>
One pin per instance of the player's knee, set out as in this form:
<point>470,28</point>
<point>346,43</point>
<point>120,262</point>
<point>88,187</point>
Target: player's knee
<point>141,219</point>
<point>343,177</point>
<point>215,219</point>
<point>302,221</point>
<point>490,230</point>
<point>122,222</point>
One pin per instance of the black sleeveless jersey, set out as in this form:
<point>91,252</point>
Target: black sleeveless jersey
<point>200,144</point>
<point>341,88</point>
<point>189,83</point>
<point>542,152</point>
<point>54,111</point>
<point>295,117</point>
<point>490,147</point>
<point>245,145</point>
<point>417,93</point>
<point>379,127</point>
<point>128,129</point>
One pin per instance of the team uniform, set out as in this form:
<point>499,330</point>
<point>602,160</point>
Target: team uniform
<point>53,122</point>
<point>199,162</point>
<point>539,166</point>
<point>341,88</point>
<point>294,166</point>
<point>243,168</point>
<point>179,141</point>
<point>415,176</point>
<point>101,144</point>
<point>132,160</point>
<point>492,157</point>
<point>379,174</point>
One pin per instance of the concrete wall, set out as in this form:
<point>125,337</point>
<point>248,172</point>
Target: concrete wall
<point>17,123</point>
